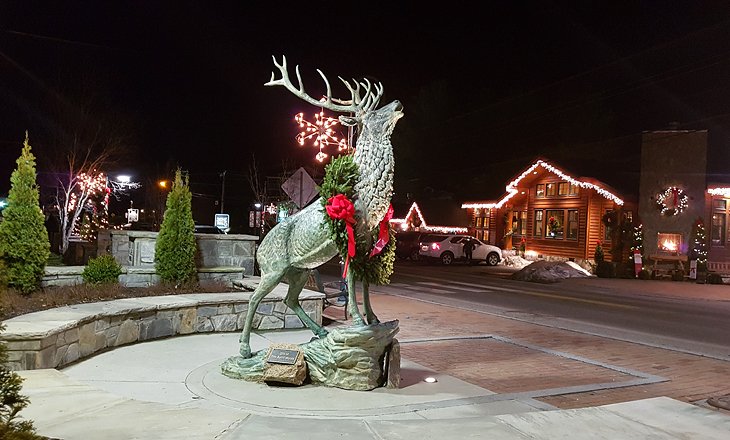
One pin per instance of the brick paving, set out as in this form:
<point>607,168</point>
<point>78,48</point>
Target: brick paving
<point>503,368</point>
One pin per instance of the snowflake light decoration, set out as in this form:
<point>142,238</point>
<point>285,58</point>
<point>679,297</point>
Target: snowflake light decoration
<point>320,133</point>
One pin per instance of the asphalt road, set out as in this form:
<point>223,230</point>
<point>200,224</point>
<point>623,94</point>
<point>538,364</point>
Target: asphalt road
<point>687,324</point>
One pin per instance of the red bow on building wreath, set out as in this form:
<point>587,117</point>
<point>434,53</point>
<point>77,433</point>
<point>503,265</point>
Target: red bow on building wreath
<point>384,234</point>
<point>339,207</point>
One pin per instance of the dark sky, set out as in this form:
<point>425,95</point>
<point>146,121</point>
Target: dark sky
<point>486,86</point>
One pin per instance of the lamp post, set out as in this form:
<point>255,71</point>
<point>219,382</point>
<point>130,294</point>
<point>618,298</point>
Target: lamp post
<point>164,186</point>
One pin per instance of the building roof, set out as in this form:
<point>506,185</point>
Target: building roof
<point>583,182</point>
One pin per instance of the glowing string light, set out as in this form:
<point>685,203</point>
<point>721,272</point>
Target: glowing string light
<point>672,201</point>
<point>321,133</point>
<point>403,223</point>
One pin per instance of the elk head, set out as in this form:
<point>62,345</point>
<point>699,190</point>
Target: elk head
<point>361,108</point>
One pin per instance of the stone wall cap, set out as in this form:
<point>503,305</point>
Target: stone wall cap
<point>24,330</point>
<point>229,237</point>
<point>64,270</point>
<point>222,269</point>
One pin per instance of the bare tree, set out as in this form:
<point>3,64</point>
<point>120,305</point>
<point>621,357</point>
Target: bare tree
<point>256,181</point>
<point>84,138</point>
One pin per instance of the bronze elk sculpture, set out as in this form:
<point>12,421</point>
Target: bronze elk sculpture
<point>302,242</point>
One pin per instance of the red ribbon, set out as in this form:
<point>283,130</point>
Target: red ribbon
<point>384,234</point>
<point>339,207</point>
<point>675,192</point>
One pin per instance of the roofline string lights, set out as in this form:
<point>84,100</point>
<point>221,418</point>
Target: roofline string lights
<point>511,188</point>
<point>403,223</point>
<point>725,192</point>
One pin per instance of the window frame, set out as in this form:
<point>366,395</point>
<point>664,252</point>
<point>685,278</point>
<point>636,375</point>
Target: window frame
<point>538,223</point>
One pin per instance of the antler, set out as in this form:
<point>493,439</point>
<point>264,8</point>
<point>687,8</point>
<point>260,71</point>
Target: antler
<point>355,105</point>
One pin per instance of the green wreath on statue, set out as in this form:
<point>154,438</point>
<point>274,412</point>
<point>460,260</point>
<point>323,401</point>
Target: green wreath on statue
<point>338,190</point>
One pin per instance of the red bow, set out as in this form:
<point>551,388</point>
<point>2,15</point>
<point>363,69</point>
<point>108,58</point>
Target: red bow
<point>339,207</point>
<point>384,234</point>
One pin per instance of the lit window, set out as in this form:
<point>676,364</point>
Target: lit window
<point>717,233</point>
<point>523,223</point>
<point>563,188</point>
<point>538,223</point>
<point>540,190</point>
<point>555,224</point>
<point>550,189</point>
<point>572,229</point>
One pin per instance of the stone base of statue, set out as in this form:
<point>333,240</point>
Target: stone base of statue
<point>284,364</point>
<point>353,358</point>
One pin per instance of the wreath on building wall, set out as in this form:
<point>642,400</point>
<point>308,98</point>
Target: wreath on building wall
<point>373,264</point>
<point>672,201</point>
<point>610,219</point>
<point>553,224</point>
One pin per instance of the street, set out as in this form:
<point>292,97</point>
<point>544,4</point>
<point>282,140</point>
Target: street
<point>656,313</point>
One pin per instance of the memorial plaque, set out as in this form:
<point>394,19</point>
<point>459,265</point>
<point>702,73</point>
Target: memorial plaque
<point>282,356</point>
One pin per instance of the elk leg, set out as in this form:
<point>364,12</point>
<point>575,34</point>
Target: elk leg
<point>297,279</point>
<point>352,300</point>
<point>266,285</point>
<point>369,314</point>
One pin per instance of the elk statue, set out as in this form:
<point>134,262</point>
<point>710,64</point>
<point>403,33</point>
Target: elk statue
<point>302,242</point>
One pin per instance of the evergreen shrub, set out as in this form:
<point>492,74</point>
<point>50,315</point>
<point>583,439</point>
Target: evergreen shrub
<point>12,402</point>
<point>24,245</point>
<point>102,270</point>
<point>175,248</point>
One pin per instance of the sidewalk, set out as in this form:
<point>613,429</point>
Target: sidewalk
<point>496,378</point>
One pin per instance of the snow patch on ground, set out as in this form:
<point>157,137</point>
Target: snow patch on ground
<point>542,271</point>
<point>515,261</point>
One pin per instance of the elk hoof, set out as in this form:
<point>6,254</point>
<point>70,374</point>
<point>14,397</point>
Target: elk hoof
<point>245,351</point>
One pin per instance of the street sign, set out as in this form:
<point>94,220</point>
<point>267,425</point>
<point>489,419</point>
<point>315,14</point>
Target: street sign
<point>132,215</point>
<point>222,221</point>
<point>300,187</point>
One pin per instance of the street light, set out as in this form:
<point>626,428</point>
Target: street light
<point>124,178</point>
<point>162,184</point>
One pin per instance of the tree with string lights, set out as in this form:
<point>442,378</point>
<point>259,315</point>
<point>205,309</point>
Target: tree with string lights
<point>699,244</point>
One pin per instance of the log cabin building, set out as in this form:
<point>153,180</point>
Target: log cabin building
<point>556,214</point>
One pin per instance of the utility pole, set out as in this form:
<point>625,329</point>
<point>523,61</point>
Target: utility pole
<point>223,189</point>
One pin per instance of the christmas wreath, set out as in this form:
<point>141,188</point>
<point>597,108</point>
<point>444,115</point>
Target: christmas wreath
<point>553,224</point>
<point>370,263</point>
<point>610,219</point>
<point>672,201</point>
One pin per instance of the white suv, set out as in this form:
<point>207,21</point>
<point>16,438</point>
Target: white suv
<point>449,248</point>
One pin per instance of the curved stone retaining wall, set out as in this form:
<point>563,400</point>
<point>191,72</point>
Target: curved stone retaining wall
<point>57,337</point>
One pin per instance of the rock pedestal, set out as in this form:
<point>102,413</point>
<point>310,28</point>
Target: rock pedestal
<point>292,373</point>
<point>352,358</point>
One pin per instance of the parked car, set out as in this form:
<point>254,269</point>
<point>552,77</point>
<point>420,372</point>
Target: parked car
<point>450,248</point>
<point>407,244</point>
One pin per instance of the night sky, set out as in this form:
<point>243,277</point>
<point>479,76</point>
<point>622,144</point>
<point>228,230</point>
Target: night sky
<point>486,86</point>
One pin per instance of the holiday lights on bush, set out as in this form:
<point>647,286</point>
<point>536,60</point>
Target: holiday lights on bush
<point>699,244</point>
<point>637,242</point>
<point>672,201</point>
<point>321,133</point>
<point>512,187</point>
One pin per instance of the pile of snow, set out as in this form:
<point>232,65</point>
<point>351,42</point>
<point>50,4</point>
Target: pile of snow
<point>542,271</point>
<point>514,261</point>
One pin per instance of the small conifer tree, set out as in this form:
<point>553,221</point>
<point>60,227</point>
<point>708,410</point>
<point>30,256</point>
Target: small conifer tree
<point>699,245</point>
<point>12,402</point>
<point>24,245</point>
<point>175,248</point>
<point>598,254</point>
